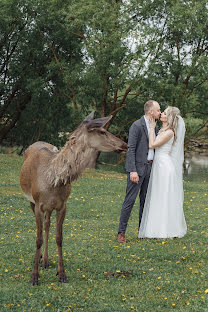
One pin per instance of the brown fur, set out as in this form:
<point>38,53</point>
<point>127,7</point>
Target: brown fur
<point>46,178</point>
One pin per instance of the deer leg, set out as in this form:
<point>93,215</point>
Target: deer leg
<point>60,215</point>
<point>47,227</point>
<point>39,242</point>
<point>32,205</point>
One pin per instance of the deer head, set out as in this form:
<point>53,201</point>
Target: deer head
<point>99,138</point>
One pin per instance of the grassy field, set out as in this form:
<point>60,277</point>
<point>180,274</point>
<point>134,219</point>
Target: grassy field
<point>103,276</point>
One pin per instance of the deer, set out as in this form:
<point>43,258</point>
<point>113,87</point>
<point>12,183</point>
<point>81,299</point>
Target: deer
<point>46,180</point>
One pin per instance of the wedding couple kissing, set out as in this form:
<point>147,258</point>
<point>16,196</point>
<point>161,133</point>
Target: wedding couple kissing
<point>154,165</point>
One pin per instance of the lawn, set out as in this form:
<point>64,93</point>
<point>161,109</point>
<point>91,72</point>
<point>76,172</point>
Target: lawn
<point>103,276</point>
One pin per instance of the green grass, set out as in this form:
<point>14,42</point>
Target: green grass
<point>162,275</point>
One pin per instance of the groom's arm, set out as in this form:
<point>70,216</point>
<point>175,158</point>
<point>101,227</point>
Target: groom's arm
<point>134,136</point>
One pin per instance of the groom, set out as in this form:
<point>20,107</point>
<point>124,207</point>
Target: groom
<point>139,160</point>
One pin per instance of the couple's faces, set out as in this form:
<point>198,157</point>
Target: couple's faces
<point>156,111</point>
<point>156,114</point>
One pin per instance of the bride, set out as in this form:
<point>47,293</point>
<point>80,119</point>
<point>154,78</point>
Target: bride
<point>163,215</point>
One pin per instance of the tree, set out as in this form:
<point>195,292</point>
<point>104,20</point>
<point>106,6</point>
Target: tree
<point>110,56</point>
<point>35,50</point>
<point>139,50</point>
<point>176,52</point>
<point>106,80</point>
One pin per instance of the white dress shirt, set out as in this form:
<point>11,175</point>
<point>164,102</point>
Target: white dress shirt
<point>151,150</point>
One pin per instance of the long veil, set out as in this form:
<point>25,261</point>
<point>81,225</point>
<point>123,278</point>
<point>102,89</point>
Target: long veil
<point>177,151</point>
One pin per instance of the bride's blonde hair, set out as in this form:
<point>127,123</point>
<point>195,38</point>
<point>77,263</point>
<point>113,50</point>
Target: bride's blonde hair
<point>172,114</point>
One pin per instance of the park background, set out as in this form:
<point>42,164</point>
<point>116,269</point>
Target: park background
<point>59,60</point>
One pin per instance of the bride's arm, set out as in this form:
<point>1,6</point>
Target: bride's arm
<point>162,139</point>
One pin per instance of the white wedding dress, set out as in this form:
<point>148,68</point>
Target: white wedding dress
<point>163,215</point>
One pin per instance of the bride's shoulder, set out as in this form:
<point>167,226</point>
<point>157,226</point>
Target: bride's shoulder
<point>167,133</point>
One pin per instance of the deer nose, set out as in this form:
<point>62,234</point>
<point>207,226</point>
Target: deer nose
<point>123,148</point>
<point>126,147</point>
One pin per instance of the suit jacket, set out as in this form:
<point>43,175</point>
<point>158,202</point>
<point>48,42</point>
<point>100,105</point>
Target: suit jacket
<point>138,147</point>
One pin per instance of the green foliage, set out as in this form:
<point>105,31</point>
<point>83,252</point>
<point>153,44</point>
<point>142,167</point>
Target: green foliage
<point>107,55</point>
<point>164,275</point>
<point>36,48</point>
<point>60,59</point>
<point>176,53</point>
<point>140,50</point>
<point>192,126</point>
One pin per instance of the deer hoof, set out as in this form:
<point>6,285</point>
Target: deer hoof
<point>34,280</point>
<point>62,277</point>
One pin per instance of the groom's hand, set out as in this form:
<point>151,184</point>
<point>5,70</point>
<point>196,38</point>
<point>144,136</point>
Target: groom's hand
<point>152,123</point>
<point>134,177</point>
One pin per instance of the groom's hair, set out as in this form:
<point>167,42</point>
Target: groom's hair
<point>148,105</point>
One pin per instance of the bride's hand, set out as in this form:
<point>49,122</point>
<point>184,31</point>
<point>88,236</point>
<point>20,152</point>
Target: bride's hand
<point>152,123</point>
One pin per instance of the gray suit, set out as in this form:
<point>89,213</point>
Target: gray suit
<point>136,161</point>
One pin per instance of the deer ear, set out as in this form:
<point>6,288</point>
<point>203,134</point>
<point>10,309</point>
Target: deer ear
<point>90,116</point>
<point>98,123</point>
